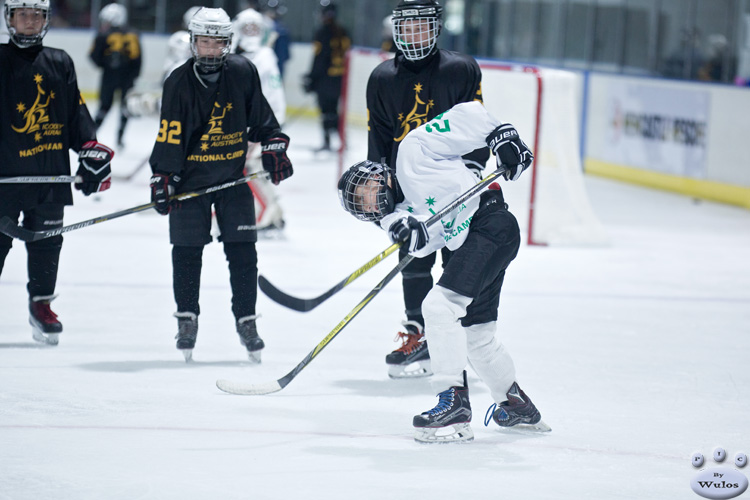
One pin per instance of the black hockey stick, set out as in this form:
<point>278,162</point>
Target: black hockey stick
<point>246,389</point>
<point>137,169</point>
<point>304,305</point>
<point>41,179</point>
<point>7,226</point>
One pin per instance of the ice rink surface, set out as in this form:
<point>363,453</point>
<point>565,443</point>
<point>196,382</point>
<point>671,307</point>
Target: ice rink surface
<point>636,354</point>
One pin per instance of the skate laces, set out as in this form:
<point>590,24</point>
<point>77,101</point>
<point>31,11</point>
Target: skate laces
<point>410,341</point>
<point>444,404</point>
<point>489,414</point>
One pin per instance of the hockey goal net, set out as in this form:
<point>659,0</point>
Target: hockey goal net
<point>550,200</point>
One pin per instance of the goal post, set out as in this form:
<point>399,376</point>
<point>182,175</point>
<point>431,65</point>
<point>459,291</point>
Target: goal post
<point>550,201</point>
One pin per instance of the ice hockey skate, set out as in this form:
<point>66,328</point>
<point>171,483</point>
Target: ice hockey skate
<point>449,421</point>
<point>248,333</point>
<point>518,413</point>
<point>187,332</point>
<point>45,327</point>
<point>412,359</point>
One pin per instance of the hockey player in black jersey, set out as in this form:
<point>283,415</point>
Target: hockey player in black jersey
<point>43,116</point>
<point>211,107</point>
<point>403,93</point>
<point>331,42</point>
<point>117,51</point>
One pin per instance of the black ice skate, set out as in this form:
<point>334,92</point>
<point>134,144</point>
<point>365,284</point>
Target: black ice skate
<point>518,412</point>
<point>45,327</point>
<point>412,359</point>
<point>187,332</point>
<point>448,421</point>
<point>248,333</point>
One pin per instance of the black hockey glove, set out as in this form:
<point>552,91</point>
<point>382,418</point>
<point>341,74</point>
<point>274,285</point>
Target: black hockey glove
<point>162,188</point>
<point>510,151</point>
<point>410,232</point>
<point>274,158</point>
<point>93,168</point>
<point>307,84</point>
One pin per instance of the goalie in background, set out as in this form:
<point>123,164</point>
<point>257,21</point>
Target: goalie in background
<point>31,74</point>
<point>117,51</point>
<point>461,310</point>
<point>254,40</point>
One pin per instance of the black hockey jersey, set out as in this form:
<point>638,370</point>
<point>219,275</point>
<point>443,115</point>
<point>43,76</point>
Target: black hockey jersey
<point>402,95</point>
<point>43,116</point>
<point>118,50</point>
<point>330,45</point>
<point>204,132</point>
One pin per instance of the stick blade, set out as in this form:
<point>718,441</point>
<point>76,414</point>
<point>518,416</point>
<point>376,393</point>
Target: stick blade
<point>10,228</point>
<point>244,389</point>
<point>273,293</point>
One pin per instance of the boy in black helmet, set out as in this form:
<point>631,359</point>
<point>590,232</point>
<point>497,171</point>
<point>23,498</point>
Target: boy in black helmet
<point>403,93</point>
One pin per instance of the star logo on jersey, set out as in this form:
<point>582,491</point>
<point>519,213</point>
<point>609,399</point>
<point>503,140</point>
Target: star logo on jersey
<point>36,115</point>
<point>417,116</point>
<point>217,118</point>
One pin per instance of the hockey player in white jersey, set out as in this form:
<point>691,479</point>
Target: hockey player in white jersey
<point>254,38</point>
<point>461,311</point>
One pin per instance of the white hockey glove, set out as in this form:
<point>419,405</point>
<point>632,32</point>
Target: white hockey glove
<point>510,151</point>
<point>410,232</point>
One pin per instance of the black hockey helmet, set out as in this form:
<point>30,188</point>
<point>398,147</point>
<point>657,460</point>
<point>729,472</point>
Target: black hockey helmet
<point>368,190</point>
<point>416,27</point>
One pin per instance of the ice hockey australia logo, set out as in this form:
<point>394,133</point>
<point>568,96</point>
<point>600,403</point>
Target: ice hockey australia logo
<point>217,118</point>
<point>417,116</point>
<point>36,122</point>
<point>35,116</point>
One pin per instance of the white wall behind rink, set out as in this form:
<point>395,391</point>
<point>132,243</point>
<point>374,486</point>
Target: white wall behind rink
<point>640,130</point>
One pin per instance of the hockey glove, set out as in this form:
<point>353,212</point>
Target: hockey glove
<point>162,188</point>
<point>410,232</point>
<point>307,84</point>
<point>274,158</point>
<point>509,151</point>
<point>93,168</point>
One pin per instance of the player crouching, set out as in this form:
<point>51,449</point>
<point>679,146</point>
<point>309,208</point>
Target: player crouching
<point>461,310</point>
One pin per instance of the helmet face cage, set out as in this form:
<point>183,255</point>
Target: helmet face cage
<point>416,30</point>
<point>251,30</point>
<point>25,41</point>
<point>214,24</point>
<point>365,193</point>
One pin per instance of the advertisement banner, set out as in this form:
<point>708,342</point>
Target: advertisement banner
<point>657,128</point>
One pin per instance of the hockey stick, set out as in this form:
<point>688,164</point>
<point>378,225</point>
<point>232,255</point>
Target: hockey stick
<point>7,226</point>
<point>137,169</point>
<point>41,179</point>
<point>245,389</point>
<point>304,305</point>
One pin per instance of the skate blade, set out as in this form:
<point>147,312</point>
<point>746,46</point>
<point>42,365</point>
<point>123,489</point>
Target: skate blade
<point>45,338</point>
<point>457,433</point>
<point>537,428</point>
<point>254,357</point>
<point>418,369</point>
<point>188,354</point>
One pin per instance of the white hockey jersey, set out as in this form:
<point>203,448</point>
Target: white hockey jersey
<point>431,174</point>
<point>270,80</point>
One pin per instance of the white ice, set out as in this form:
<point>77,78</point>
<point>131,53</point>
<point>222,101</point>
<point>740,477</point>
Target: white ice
<point>636,355</point>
